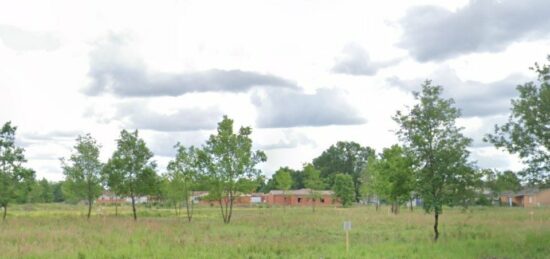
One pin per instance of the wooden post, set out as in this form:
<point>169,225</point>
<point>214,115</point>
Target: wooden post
<point>347,228</point>
<point>347,241</point>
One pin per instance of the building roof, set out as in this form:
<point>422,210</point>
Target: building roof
<point>299,192</point>
<point>527,191</point>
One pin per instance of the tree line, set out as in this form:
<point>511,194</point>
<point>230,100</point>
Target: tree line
<point>431,162</point>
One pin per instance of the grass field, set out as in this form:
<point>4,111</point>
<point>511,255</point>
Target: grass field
<point>62,231</point>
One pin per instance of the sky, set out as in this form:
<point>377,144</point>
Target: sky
<point>303,74</point>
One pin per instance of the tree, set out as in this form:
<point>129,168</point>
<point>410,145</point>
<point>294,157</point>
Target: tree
<point>392,176</point>
<point>283,181</point>
<point>13,176</point>
<point>437,147</point>
<point>345,157</point>
<point>498,182</point>
<point>527,132</point>
<point>46,194</point>
<point>183,172</point>
<point>312,180</point>
<point>112,176</point>
<point>57,192</point>
<point>343,189</point>
<point>83,170</point>
<point>227,159</point>
<point>132,173</point>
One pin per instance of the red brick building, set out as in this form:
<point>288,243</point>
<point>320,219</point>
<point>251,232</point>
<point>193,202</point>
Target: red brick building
<point>527,198</point>
<point>300,197</point>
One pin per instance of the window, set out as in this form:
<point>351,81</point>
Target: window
<point>322,200</point>
<point>299,200</point>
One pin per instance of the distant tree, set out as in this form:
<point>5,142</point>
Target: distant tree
<point>183,173</point>
<point>343,189</point>
<point>283,181</point>
<point>527,132</point>
<point>46,194</point>
<point>83,170</point>
<point>132,172</point>
<point>438,148</point>
<point>112,178</point>
<point>393,176</point>
<point>312,180</point>
<point>499,182</point>
<point>226,159</point>
<point>57,192</point>
<point>14,178</point>
<point>345,157</point>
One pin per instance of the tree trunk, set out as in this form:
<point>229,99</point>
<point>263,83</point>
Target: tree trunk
<point>90,202</point>
<point>116,206</point>
<point>189,208</point>
<point>436,232</point>
<point>411,204</point>
<point>134,207</point>
<point>5,213</point>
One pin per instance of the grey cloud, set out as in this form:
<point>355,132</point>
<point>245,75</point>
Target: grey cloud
<point>138,115</point>
<point>290,140</point>
<point>499,162</point>
<point>25,40</point>
<point>289,108</point>
<point>472,97</point>
<point>434,33</point>
<point>354,60</point>
<point>115,69</point>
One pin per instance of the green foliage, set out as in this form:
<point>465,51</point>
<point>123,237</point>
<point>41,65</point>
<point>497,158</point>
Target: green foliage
<point>392,176</point>
<point>283,180</point>
<point>313,181</point>
<point>438,148</point>
<point>182,177</point>
<point>343,189</point>
<point>499,182</point>
<point>130,171</point>
<point>527,132</point>
<point>83,171</point>
<point>15,181</point>
<point>226,159</point>
<point>345,157</point>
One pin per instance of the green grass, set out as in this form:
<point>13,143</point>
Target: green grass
<point>61,231</point>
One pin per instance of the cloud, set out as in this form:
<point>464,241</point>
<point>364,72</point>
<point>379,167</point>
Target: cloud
<point>25,40</point>
<point>162,143</point>
<point>290,140</point>
<point>354,60</point>
<point>115,69</point>
<point>288,108</point>
<point>139,116</point>
<point>433,33</point>
<point>474,98</point>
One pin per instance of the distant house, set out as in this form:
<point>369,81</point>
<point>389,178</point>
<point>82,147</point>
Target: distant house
<point>300,197</point>
<point>527,198</point>
<point>108,197</point>
<point>201,197</point>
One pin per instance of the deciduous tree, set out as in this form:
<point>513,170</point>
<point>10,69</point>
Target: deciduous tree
<point>343,189</point>
<point>133,171</point>
<point>312,180</point>
<point>438,148</point>
<point>183,173</point>
<point>227,159</point>
<point>14,178</point>
<point>83,170</point>
<point>527,132</point>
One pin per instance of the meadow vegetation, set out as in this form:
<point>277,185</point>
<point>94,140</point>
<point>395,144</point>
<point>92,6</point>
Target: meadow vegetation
<point>62,231</point>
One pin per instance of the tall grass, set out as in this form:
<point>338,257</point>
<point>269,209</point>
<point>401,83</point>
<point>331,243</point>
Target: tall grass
<point>56,231</point>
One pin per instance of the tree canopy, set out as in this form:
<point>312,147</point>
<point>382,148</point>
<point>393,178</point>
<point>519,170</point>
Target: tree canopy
<point>527,132</point>
<point>438,148</point>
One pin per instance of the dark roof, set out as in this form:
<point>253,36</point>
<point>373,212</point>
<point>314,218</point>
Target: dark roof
<point>527,191</point>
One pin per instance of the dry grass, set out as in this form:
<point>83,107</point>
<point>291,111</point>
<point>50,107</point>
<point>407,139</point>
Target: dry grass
<point>55,231</point>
